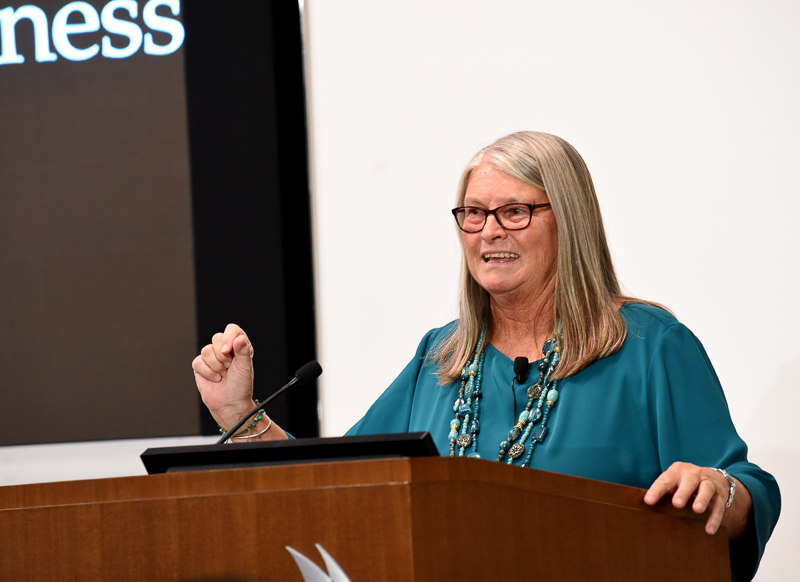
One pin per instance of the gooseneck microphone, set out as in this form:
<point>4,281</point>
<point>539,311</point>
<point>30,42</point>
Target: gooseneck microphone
<point>521,368</point>
<point>304,375</point>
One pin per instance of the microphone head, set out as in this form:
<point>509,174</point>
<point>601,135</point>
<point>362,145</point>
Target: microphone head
<point>521,368</point>
<point>308,372</point>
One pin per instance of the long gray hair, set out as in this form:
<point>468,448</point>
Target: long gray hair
<point>587,294</point>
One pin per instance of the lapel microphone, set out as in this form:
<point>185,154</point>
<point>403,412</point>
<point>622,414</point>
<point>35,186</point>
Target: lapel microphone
<point>521,366</point>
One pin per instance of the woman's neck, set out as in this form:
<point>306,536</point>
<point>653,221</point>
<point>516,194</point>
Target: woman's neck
<point>520,328</point>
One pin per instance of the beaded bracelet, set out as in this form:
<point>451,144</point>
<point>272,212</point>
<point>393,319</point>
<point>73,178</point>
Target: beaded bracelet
<point>250,436</point>
<point>250,426</point>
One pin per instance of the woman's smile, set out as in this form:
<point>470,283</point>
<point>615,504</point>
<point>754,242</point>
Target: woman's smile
<point>500,257</point>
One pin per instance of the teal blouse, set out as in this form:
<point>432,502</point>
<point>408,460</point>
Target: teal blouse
<point>624,419</point>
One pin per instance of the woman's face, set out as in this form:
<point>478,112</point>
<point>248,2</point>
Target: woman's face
<point>517,265</point>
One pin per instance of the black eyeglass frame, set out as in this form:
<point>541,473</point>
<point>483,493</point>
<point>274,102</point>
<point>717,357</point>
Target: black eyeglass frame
<point>493,212</point>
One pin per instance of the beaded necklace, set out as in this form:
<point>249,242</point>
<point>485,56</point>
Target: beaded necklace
<point>532,422</point>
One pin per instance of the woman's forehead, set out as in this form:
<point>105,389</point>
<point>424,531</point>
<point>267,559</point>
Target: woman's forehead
<point>489,185</point>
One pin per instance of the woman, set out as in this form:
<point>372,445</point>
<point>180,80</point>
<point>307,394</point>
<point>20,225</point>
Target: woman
<point>619,390</point>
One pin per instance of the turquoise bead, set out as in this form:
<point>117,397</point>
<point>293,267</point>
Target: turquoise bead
<point>532,422</point>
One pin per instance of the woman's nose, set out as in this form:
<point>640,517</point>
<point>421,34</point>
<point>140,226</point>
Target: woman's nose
<point>492,228</point>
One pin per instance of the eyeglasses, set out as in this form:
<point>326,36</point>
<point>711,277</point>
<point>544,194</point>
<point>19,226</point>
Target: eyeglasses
<point>508,216</point>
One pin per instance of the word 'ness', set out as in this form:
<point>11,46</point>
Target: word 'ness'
<point>117,18</point>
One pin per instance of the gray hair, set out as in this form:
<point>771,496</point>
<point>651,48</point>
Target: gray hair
<point>587,293</point>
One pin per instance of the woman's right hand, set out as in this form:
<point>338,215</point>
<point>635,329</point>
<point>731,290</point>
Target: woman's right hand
<point>224,375</point>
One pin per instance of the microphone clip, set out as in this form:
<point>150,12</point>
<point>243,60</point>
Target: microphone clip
<point>521,367</point>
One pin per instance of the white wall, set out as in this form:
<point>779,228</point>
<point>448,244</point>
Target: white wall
<point>89,460</point>
<point>685,114</point>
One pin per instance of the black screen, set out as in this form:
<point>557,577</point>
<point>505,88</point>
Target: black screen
<point>141,145</point>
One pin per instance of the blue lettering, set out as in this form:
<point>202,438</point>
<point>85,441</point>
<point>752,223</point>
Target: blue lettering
<point>121,27</point>
<point>62,29</point>
<point>8,21</point>
<point>161,24</point>
<point>118,20</point>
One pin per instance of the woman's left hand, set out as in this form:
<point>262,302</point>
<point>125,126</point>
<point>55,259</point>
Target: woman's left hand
<point>710,490</point>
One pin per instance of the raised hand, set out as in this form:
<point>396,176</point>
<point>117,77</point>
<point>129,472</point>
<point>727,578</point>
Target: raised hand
<point>224,375</point>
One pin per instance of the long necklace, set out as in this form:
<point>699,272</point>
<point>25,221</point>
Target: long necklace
<point>532,422</point>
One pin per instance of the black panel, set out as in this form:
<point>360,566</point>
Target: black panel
<point>314,450</point>
<point>248,152</point>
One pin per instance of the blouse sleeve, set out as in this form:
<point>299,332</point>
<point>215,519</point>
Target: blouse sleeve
<point>391,412</point>
<point>694,425</point>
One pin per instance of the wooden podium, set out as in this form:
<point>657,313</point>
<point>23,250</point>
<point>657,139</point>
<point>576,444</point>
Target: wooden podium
<point>407,519</point>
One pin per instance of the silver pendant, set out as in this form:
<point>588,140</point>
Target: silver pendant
<point>516,450</point>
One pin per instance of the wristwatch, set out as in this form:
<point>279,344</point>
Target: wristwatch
<point>731,484</point>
